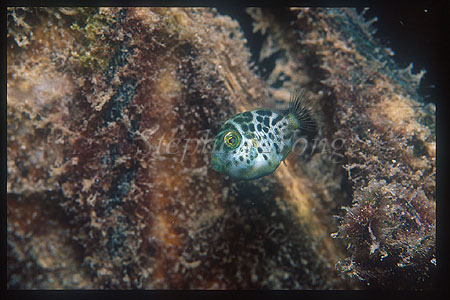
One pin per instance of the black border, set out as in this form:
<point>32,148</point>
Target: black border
<point>442,9</point>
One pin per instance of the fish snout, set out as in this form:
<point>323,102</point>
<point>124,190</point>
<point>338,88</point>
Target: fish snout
<point>215,163</point>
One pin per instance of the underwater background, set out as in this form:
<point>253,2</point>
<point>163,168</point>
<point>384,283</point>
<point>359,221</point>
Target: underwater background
<point>111,114</point>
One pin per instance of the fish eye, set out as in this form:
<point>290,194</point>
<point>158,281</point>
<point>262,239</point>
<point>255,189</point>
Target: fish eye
<point>232,139</point>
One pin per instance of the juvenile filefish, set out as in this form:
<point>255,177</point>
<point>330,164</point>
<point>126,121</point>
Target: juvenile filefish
<point>252,144</point>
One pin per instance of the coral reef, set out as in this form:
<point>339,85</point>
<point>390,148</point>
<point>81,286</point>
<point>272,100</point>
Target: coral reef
<point>390,152</point>
<point>111,113</point>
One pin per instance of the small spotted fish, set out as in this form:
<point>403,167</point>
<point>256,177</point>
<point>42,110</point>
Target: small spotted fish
<point>252,144</point>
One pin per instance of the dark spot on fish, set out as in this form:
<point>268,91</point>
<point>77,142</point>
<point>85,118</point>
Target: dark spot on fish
<point>228,126</point>
<point>271,136</point>
<point>260,150</point>
<point>248,114</point>
<point>244,127</point>
<point>277,149</point>
<point>245,144</point>
<point>264,112</point>
<point>248,161</point>
<point>241,158</point>
<point>251,127</point>
<point>276,120</point>
<point>259,127</point>
<point>265,157</point>
<point>259,119</point>
<point>266,121</point>
<point>239,120</point>
<point>266,129</point>
<point>276,131</point>
<point>234,152</point>
<point>235,162</point>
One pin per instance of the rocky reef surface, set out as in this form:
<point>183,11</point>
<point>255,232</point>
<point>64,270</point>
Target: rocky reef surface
<point>110,117</point>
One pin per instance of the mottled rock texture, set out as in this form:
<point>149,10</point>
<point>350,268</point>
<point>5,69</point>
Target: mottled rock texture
<point>110,111</point>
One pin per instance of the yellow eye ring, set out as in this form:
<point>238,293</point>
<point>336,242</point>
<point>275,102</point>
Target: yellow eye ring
<point>232,139</point>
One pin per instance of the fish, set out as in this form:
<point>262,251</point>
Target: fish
<point>252,144</point>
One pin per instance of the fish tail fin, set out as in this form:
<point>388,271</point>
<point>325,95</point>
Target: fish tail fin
<point>300,111</point>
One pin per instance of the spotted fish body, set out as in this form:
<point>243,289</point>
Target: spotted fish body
<point>252,144</point>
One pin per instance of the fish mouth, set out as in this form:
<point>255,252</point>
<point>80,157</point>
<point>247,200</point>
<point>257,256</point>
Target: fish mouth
<point>215,164</point>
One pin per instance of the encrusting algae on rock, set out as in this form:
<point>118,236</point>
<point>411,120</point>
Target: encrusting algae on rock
<point>111,118</point>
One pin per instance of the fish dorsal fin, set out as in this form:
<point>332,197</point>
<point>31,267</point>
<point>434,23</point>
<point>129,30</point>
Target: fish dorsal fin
<point>300,108</point>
